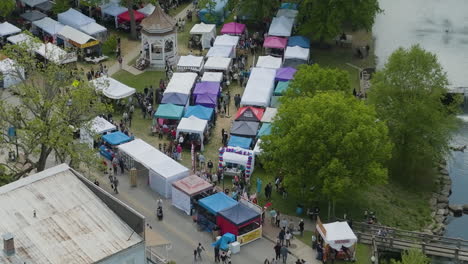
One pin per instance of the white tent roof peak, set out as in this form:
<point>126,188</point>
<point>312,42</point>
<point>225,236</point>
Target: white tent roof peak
<point>218,63</point>
<point>226,40</point>
<point>8,29</point>
<point>112,88</point>
<point>296,52</point>
<point>338,234</point>
<point>281,26</point>
<point>192,124</point>
<point>212,77</point>
<point>202,28</point>
<point>269,62</point>
<point>181,82</point>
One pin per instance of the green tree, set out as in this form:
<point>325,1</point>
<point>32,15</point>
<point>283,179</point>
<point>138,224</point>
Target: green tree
<point>325,18</point>
<point>54,101</point>
<point>92,4</point>
<point>413,256</point>
<point>210,6</point>
<point>60,6</point>
<point>330,141</point>
<point>408,94</point>
<point>310,79</point>
<point>6,7</point>
<point>258,9</point>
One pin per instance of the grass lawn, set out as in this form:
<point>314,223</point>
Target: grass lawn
<point>139,81</point>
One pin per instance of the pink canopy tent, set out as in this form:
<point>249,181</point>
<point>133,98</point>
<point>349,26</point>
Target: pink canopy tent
<point>275,43</point>
<point>125,16</point>
<point>233,28</point>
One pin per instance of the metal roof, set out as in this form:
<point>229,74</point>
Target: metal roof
<point>72,225</point>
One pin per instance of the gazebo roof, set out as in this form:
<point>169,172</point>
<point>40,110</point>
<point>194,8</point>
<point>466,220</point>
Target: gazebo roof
<point>158,22</point>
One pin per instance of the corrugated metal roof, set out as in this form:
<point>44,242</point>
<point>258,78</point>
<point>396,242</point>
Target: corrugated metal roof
<point>72,225</point>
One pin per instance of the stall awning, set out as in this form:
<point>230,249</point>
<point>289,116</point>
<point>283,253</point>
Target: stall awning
<point>239,214</point>
<point>289,13</point>
<point>218,63</point>
<point>259,87</point>
<point>49,25</point>
<point>212,77</point>
<point>169,111</point>
<point>221,51</point>
<point>147,10</point>
<point>207,88</point>
<point>33,15</point>
<point>249,113</point>
<point>125,16</point>
<point>265,130</point>
<point>208,100</point>
<point>7,29</point>
<point>192,124</point>
<point>199,111</point>
<point>296,52</point>
<point>77,38</point>
<point>33,3</point>
<point>233,28</point>
<point>93,29</point>
<point>202,28</point>
<point>190,62</point>
<point>113,9</point>
<point>112,88</point>
<point>242,142</point>
<point>300,41</point>
<point>285,74</point>
<point>181,82</point>
<point>74,18</point>
<point>269,114</point>
<point>281,87</point>
<point>226,40</point>
<point>275,42</point>
<point>281,26</point>
<point>217,202</point>
<point>116,138</point>
<point>100,125</point>
<point>175,98</point>
<point>337,234</point>
<point>244,128</point>
<point>192,185</point>
<point>269,62</point>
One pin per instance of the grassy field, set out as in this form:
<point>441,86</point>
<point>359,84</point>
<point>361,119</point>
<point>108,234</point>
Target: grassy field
<point>139,81</point>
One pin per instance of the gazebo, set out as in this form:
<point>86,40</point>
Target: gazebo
<point>159,38</point>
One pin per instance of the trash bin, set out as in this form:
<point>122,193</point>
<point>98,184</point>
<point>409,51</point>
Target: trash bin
<point>133,177</point>
<point>299,209</point>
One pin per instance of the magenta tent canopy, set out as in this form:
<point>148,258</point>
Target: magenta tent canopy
<point>207,88</point>
<point>285,74</point>
<point>275,42</point>
<point>233,28</point>
<point>207,100</point>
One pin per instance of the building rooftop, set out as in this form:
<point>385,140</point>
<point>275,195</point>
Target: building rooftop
<point>55,218</point>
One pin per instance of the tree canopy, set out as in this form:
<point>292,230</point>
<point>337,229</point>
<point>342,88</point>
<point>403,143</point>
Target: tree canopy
<point>413,256</point>
<point>325,18</point>
<point>408,94</point>
<point>6,7</point>
<point>331,141</point>
<point>60,6</point>
<point>310,79</point>
<point>257,10</point>
<point>54,101</point>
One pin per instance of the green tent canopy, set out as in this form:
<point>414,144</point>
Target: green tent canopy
<point>281,88</point>
<point>169,111</point>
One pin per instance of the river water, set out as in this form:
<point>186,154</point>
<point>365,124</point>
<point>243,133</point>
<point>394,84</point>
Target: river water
<point>441,27</point>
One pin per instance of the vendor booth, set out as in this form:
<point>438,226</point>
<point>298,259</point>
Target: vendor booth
<point>207,100</point>
<point>241,142</point>
<point>147,9</point>
<point>112,10</point>
<point>212,77</point>
<point>47,29</point>
<point>195,128</point>
<point>249,113</point>
<point>300,41</point>
<point>244,128</point>
<point>207,88</point>
<point>285,74</point>
<point>226,40</point>
<point>234,161</point>
<point>205,33</point>
<point>265,130</point>
<point>175,98</point>
<point>111,141</point>
<point>189,190</point>
<point>10,73</point>
<point>222,51</point>
<point>53,53</point>
<point>209,207</point>
<point>269,115</point>
<point>269,62</point>
<point>181,82</point>
<point>339,236</point>
<point>112,88</point>
<point>32,15</point>
<point>87,46</point>
<point>124,18</point>
<point>294,56</point>
<point>281,26</point>
<point>169,111</point>
<point>259,87</point>
<point>74,18</point>
<point>97,126</point>
<point>160,169</point>
<point>218,64</point>
<point>205,113</point>
<point>233,28</point>
<point>275,45</point>
<point>7,29</point>
<point>242,221</point>
<point>190,63</point>
<point>289,13</point>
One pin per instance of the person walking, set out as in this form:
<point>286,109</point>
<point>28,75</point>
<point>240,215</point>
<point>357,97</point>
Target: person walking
<point>121,165</point>
<point>281,236</point>
<point>179,152</point>
<point>284,253</point>
<point>116,184</point>
<point>120,61</point>
<point>216,254</point>
<point>210,165</point>
<point>301,227</point>
<point>115,164</point>
<point>288,237</point>
<point>199,249</point>
<point>201,160</point>
<point>277,249</point>
<point>277,221</point>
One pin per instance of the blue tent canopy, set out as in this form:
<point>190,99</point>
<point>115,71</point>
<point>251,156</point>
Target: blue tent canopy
<point>175,98</point>
<point>224,241</point>
<point>243,142</point>
<point>202,112</point>
<point>239,214</point>
<point>288,6</point>
<point>300,41</point>
<point>116,138</point>
<point>264,130</point>
<point>217,202</point>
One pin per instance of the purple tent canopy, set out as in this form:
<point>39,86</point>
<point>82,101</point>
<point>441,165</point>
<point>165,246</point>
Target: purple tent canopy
<point>208,100</point>
<point>285,74</point>
<point>207,88</point>
<point>233,28</point>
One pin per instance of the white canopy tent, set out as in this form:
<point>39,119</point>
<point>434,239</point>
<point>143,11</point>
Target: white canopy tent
<point>7,29</point>
<point>289,13</point>
<point>162,170</point>
<point>337,234</point>
<point>49,26</point>
<point>221,51</point>
<point>218,63</point>
<point>112,88</point>
<point>207,32</point>
<point>258,150</point>
<point>190,63</point>
<point>269,114</point>
<point>212,77</point>
<point>296,52</point>
<point>269,62</point>
<point>147,9</point>
<point>25,39</point>
<point>226,40</point>
<point>99,126</point>
<point>74,18</point>
<point>69,33</point>
<point>181,82</point>
<point>183,190</point>
<point>233,157</point>
<point>95,30</point>
<point>259,88</point>
<point>113,10</point>
<point>11,72</point>
<point>33,3</point>
<point>55,54</point>
<point>193,125</point>
<point>281,26</point>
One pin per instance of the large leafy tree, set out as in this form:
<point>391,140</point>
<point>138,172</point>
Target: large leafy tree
<point>413,256</point>
<point>310,79</point>
<point>408,94</point>
<point>6,7</point>
<point>325,18</point>
<point>54,101</point>
<point>258,9</point>
<point>330,141</point>
<point>210,6</point>
<point>61,6</point>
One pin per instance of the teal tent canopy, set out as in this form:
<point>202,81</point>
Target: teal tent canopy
<point>281,87</point>
<point>169,111</point>
<point>264,130</point>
